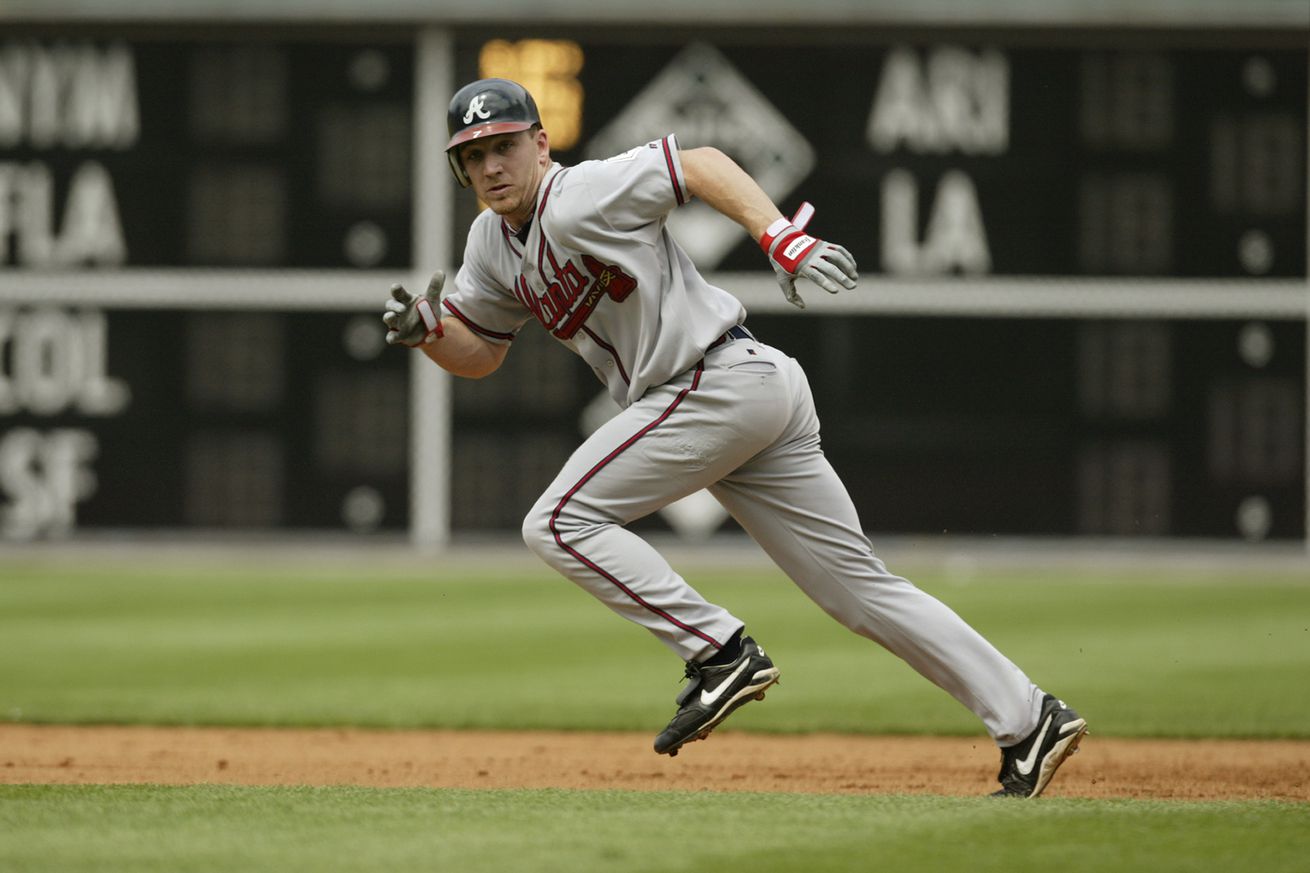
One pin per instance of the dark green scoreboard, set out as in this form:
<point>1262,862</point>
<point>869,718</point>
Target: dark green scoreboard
<point>1084,153</point>
<point>947,156</point>
<point>202,419</point>
<point>944,156</point>
<point>1115,427</point>
<point>160,155</point>
<point>206,148</point>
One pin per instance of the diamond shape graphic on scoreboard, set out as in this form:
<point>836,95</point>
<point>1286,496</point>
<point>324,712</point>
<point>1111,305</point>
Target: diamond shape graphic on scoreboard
<point>706,101</point>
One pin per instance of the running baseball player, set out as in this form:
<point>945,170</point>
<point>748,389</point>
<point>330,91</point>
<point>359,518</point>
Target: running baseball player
<point>584,250</point>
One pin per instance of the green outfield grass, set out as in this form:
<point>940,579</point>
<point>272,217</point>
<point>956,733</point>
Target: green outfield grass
<point>1145,654</point>
<point>280,643</point>
<point>224,829</point>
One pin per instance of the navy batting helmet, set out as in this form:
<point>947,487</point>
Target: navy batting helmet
<point>485,108</point>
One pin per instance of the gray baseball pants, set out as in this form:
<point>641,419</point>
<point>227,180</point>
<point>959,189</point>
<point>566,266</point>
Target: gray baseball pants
<point>742,423</point>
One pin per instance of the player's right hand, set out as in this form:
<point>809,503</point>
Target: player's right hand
<point>414,321</point>
<point>795,254</point>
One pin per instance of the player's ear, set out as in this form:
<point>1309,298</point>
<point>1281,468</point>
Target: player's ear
<point>541,139</point>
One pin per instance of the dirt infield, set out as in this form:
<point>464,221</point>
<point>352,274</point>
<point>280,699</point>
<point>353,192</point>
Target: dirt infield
<point>728,761</point>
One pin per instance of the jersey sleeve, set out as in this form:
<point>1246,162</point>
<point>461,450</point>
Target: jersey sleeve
<point>640,186</point>
<point>486,307</point>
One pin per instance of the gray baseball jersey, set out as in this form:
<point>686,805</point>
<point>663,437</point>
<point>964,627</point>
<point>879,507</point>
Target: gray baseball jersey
<point>600,271</point>
<point>705,406</point>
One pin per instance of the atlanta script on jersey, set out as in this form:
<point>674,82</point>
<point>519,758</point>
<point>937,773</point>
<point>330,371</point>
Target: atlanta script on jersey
<point>598,268</point>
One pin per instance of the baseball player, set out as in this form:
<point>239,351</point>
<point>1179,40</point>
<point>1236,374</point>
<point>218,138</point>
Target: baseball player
<point>584,250</point>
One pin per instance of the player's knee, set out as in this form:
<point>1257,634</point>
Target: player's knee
<point>536,530</point>
<point>546,525</point>
<point>552,526</point>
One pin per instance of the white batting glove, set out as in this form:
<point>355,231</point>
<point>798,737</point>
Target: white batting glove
<point>414,321</point>
<point>794,254</point>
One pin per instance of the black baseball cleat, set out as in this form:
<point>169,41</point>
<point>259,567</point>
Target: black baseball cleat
<point>713,693</point>
<point>1026,768</point>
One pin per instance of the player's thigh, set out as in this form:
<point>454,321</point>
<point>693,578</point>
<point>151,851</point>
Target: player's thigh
<point>795,506</point>
<point>676,440</point>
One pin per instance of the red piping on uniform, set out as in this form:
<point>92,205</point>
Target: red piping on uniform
<point>541,207</point>
<point>618,362</point>
<point>673,173</point>
<point>504,231</point>
<point>476,328</point>
<point>524,294</point>
<point>588,563</point>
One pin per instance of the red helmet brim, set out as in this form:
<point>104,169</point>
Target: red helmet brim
<point>484,130</point>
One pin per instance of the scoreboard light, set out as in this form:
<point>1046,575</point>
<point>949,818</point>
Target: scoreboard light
<point>549,69</point>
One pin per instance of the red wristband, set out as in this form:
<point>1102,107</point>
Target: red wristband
<point>787,244</point>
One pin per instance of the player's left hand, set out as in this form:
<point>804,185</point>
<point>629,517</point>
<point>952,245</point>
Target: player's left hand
<point>414,321</point>
<point>794,254</point>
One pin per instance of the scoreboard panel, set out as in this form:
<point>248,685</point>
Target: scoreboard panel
<point>1067,427</point>
<point>1087,154</point>
<point>953,156</point>
<point>187,149</point>
<point>209,420</point>
<point>208,158</point>
<point>148,157</point>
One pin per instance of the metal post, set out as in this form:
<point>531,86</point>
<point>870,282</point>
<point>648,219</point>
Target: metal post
<point>430,443</point>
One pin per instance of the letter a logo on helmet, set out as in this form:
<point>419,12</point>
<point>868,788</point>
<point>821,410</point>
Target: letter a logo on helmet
<point>483,108</point>
<point>477,106</point>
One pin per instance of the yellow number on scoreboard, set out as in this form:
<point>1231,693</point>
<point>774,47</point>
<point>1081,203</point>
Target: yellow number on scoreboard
<point>549,69</point>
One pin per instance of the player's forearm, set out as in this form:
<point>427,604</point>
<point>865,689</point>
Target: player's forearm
<point>718,181</point>
<point>461,352</point>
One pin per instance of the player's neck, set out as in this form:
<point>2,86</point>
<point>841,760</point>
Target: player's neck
<point>519,220</point>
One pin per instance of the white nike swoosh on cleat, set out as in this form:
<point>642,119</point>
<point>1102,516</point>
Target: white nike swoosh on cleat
<point>1026,765</point>
<point>709,698</point>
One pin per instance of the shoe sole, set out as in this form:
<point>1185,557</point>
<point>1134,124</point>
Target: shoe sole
<point>762,680</point>
<point>1059,753</point>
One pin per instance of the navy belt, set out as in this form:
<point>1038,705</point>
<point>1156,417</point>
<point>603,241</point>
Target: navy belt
<point>735,332</point>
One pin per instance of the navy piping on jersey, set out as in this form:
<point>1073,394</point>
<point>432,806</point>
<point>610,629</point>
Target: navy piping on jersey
<point>592,565</point>
<point>618,361</point>
<point>673,172</point>
<point>473,326</point>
